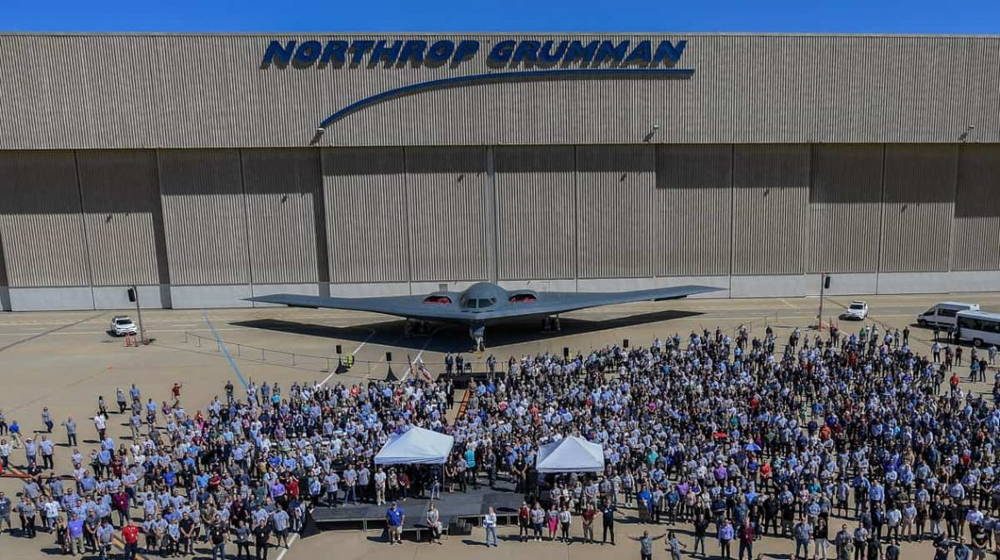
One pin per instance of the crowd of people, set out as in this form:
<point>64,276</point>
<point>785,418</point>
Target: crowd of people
<point>845,444</point>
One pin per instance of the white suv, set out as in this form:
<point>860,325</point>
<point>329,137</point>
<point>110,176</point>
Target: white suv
<point>857,310</point>
<point>122,325</point>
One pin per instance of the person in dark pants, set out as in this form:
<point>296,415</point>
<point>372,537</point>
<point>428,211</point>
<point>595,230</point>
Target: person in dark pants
<point>646,544</point>
<point>608,519</point>
<point>242,537</point>
<point>26,511</point>
<point>746,535</point>
<point>700,530</point>
<point>261,537</point>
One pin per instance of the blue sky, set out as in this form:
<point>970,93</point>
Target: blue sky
<point>846,16</point>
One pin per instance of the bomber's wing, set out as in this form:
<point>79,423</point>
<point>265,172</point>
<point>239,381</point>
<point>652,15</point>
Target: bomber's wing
<point>436,307</point>
<point>550,303</point>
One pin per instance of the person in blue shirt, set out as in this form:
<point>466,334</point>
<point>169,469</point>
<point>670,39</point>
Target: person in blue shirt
<point>470,464</point>
<point>394,518</point>
<point>15,433</point>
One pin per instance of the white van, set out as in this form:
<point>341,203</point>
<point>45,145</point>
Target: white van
<point>979,328</point>
<point>943,314</point>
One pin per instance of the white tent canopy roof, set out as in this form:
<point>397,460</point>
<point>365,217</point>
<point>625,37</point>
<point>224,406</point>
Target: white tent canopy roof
<point>416,446</point>
<point>571,454</point>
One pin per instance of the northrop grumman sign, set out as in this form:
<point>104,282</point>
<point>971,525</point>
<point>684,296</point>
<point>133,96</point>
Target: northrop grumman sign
<point>509,60</point>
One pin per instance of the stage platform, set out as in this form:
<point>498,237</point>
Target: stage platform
<point>468,506</point>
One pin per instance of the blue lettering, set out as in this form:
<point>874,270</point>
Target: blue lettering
<point>668,53</point>
<point>577,52</point>
<point>388,54</point>
<point>278,54</point>
<point>500,53</point>
<point>610,50</point>
<point>307,53</point>
<point>334,51</point>
<point>526,51</point>
<point>466,50</point>
<point>547,57</point>
<point>439,52</point>
<point>358,49</point>
<point>413,52</point>
<point>641,54</point>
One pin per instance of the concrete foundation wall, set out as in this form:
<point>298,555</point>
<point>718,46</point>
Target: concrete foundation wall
<point>196,297</point>
<point>62,298</point>
<point>116,297</point>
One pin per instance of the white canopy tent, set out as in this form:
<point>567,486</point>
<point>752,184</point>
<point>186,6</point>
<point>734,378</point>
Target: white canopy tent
<point>416,446</point>
<point>569,455</point>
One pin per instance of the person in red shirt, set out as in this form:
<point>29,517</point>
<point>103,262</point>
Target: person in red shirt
<point>746,535</point>
<point>292,487</point>
<point>588,522</point>
<point>130,535</point>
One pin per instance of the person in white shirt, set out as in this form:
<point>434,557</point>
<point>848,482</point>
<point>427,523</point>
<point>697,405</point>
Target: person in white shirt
<point>490,525</point>
<point>565,518</point>
<point>101,424</point>
<point>379,487</point>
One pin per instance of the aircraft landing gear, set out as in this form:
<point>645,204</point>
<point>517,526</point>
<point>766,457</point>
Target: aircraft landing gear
<point>477,334</point>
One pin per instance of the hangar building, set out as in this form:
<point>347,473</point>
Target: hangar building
<point>209,168</point>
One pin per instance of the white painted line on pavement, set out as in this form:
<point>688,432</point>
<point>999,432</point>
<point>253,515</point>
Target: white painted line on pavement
<point>291,541</point>
<point>371,333</point>
<point>421,353</point>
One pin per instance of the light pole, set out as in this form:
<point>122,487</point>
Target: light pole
<point>824,283</point>
<point>133,296</point>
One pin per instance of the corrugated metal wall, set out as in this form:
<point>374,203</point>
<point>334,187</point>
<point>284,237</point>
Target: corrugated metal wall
<point>445,190</point>
<point>209,91</point>
<point>615,186</point>
<point>40,220</point>
<point>366,214</point>
<point>282,190</point>
<point>692,219</point>
<point>216,217</point>
<point>771,198</point>
<point>121,197</point>
<point>536,194</point>
<point>205,216</point>
<point>918,207</point>
<point>845,202</point>
<point>976,231</point>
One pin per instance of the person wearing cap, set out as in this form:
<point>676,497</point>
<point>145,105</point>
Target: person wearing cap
<point>30,453</point>
<point>395,517</point>
<point>105,536</point>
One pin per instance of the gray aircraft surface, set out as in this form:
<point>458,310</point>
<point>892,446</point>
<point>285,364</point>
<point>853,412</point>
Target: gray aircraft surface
<point>482,304</point>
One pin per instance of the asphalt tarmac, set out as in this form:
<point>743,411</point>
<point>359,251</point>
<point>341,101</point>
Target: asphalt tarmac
<point>64,360</point>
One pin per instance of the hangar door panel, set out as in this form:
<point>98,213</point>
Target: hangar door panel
<point>366,214</point>
<point>537,206</point>
<point>692,223</point>
<point>616,186</point>
<point>41,224</point>
<point>446,189</point>
<point>771,201</point>
<point>204,216</point>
